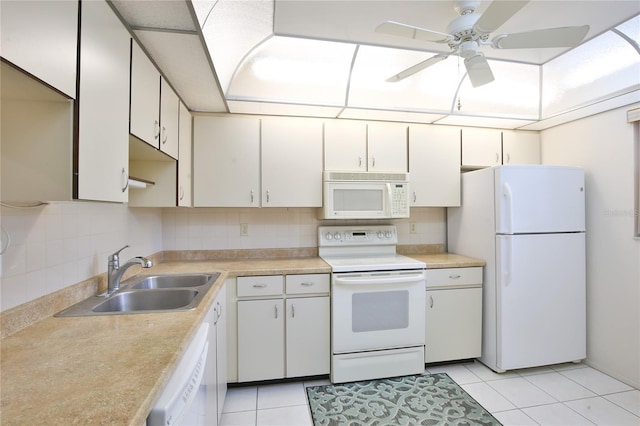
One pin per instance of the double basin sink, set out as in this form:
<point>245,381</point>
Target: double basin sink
<point>146,294</point>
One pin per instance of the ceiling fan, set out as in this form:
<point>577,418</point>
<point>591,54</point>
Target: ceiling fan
<point>470,30</point>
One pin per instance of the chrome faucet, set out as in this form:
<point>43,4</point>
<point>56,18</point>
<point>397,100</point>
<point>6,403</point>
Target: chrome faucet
<point>115,271</point>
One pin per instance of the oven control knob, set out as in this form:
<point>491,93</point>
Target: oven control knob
<point>380,234</point>
<point>328,236</point>
<point>336,236</point>
<point>387,234</point>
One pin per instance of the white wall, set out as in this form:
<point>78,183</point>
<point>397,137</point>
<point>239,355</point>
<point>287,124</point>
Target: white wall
<point>219,228</point>
<point>604,146</point>
<point>58,245</point>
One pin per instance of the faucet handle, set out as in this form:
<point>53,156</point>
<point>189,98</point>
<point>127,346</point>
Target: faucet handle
<point>115,255</point>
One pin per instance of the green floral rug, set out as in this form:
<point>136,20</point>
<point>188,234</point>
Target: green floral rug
<point>433,399</point>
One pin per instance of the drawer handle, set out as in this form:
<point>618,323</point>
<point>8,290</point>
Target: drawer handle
<point>276,310</point>
<point>454,277</point>
<point>259,286</point>
<point>293,311</point>
<point>307,284</point>
<point>431,301</point>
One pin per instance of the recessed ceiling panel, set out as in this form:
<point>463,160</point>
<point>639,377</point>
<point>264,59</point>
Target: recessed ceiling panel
<point>355,21</point>
<point>291,70</point>
<point>515,93</point>
<point>273,108</point>
<point>431,89</point>
<point>384,115</point>
<point>474,121</point>
<point>604,66</point>
<point>168,14</point>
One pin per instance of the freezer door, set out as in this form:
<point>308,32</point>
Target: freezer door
<point>541,299</point>
<point>539,199</point>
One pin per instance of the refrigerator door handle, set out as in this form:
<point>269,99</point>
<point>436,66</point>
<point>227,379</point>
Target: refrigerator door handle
<point>506,189</point>
<point>508,250</point>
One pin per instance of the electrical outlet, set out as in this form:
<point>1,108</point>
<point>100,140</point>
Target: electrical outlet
<point>413,228</point>
<point>244,229</point>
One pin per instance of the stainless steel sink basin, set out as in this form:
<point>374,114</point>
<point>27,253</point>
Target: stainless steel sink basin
<point>160,300</point>
<point>174,281</point>
<point>146,294</point>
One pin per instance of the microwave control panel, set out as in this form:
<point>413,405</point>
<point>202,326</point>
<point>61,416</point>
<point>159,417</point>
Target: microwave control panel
<point>399,200</point>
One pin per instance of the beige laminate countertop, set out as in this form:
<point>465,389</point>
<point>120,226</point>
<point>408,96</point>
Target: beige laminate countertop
<point>110,369</point>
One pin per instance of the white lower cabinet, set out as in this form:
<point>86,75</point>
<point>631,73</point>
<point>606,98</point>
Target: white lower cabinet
<point>453,328</point>
<point>282,331</point>
<point>216,367</point>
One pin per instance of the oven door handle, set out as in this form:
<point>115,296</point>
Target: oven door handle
<point>398,279</point>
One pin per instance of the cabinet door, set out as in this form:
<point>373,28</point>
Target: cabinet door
<point>226,162</point>
<point>387,147</point>
<point>308,350</point>
<point>260,339</point>
<point>145,97</point>
<point>520,147</point>
<point>434,166</point>
<point>169,112</point>
<point>345,145</point>
<point>41,37</point>
<point>453,324</point>
<point>291,162</point>
<point>220,305</point>
<point>481,147</point>
<point>184,157</point>
<point>103,102</point>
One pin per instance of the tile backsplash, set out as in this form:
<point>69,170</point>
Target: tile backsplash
<point>55,246</point>
<point>63,243</point>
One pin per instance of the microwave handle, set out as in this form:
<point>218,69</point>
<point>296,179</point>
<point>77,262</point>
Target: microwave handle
<point>391,213</point>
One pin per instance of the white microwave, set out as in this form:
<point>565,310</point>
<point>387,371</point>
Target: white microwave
<point>365,195</point>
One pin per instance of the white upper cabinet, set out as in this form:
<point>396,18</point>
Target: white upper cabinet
<point>358,146</point>
<point>434,165</point>
<point>145,97</point>
<point>345,145</point>
<point>481,147</point>
<point>291,162</point>
<point>226,162</point>
<point>387,147</point>
<point>41,37</point>
<point>169,118</point>
<point>520,147</point>
<point>103,101</point>
<point>184,155</point>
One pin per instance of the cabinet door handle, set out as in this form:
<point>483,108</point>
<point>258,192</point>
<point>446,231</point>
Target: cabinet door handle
<point>181,192</point>
<point>125,180</point>
<point>259,285</point>
<point>219,311</point>
<point>373,161</point>
<point>497,157</point>
<point>267,196</point>
<point>508,157</point>
<point>414,196</point>
<point>431,301</point>
<point>454,277</point>
<point>359,161</point>
<point>307,284</point>
<point>276,310</point>
<point>293,311</point>
<point>156,131</point>
<point>252,196</point>
<point>164,135</point>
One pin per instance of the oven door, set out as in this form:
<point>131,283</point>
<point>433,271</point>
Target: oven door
<point>377,310</point>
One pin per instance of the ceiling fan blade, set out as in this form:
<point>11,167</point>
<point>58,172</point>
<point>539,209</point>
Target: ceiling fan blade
<point>498,12</point>
<point>550,37</point>
<point>478,70</point>
<point>417,67</point>
<point>409,31</point>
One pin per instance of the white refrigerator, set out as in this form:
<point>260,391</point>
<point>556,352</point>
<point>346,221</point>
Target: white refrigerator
<point>528,223</point>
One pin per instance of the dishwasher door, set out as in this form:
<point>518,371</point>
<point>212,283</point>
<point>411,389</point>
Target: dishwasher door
<point>180,403</point>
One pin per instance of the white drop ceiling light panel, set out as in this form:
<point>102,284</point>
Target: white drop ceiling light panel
<point>273,108</point>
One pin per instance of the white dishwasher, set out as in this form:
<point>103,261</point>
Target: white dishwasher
<point>182,401</point>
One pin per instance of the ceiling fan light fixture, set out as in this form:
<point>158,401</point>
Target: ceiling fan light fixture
<point>478,70</point>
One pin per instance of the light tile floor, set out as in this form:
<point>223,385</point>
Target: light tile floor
<point>567,395</point>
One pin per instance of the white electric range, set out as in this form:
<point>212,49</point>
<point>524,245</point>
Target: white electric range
<point>377,303</point>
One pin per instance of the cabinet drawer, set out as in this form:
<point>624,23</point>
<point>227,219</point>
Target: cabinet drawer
<point>267,285</point>
<point>454,277</point>
<point>307,283</point>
